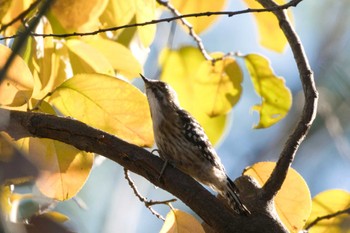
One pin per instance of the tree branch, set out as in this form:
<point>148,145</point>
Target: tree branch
<point>193,34</point>
<point>291,146</point>
<point>23,36</point>
<point>292,3</point>
<point>144,200</point>
<point>328,216</point>
<point>21,16</point>
<point>29,124</point>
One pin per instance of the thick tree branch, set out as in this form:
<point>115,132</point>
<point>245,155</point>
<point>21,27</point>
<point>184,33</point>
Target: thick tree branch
<point>292,3</point>
<point>291,146</point>
<point>138,160</point>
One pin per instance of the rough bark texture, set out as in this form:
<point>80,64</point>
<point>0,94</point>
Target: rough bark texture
<point>138,160</point>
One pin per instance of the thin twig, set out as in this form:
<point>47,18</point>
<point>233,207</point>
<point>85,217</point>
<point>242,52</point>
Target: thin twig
<point>328,216</point>
<point>23,36</point>
<point>184,21</point>
<point>21,16</point>
<point>275,181</point>
<point>38,104</point>
<point>147,203</point>
<point>169,19</point>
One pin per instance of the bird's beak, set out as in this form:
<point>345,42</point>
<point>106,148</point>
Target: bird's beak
<point>145,80</point>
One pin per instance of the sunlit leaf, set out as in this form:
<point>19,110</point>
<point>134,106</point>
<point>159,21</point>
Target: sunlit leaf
<point>119,56</point>
<point>56,216</point>
<point>178,221</point>
<point>293,200</point>
<point>78,15</point>
<point>5,205</point>
<point>10,9</point>
<point>276,97</point>
<point>87,59</point>
<point>4,8</point>
<point>326,203</point>
<point>121,12</point>
<point>42,106</point>
<point>270,33</point>
<point>179,69</point>
<point>107,103</point>
<point>199,23</point>
<point>118,12</point>
<point>219,85</point>
<point>63,168</point>
<point>46,63</point>
<point>17,86</point>
<point>145,11</point>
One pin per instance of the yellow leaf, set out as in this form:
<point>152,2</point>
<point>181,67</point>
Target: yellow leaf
<point>145,11</point>
<point>78,15</point>
<point>87,59</point>
<point>330,202</point>
<point>118,12</point>
<point>179,69</point>
<point>107,103</point>
<point>276,97</point>
<point>219,85</point>
<point>56,216</point>
<point>178,221</point>
<point>15,168</point>
<point>121,12</point>
<point>5,204</point>
<point>10,9</point>
<point>199,24</point>
<point>120,57</point>
<point>4,8</point>
<point>46,64</point>
<point>17,85</point>
<point>293,201</point>
<point>270,33</point>
<point>63,168</point>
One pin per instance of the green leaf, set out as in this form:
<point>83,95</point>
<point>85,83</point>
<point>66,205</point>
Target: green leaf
<point>276,97</point>
<point>107,103</point>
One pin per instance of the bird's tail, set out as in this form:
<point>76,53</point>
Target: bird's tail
<point>232,196</point>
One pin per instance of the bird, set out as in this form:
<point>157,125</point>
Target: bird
<point>182,142</point>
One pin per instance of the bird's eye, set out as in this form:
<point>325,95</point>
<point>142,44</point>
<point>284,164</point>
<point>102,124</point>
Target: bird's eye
<point>157,91</point>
